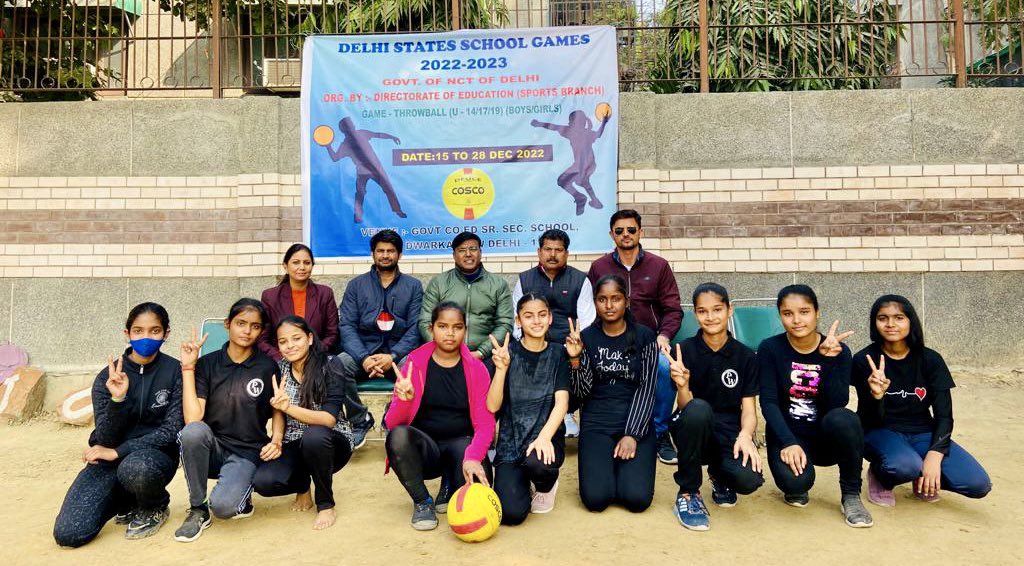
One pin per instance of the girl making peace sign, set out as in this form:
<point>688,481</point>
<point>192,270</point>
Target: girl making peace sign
<point>614,363</point>
<point>530,395</point>
<point>132,454</point>
<point>317,438</point>
<point>805,386</point>
<point>904,403</point>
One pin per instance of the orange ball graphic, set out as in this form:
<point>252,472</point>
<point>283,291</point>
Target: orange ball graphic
<point>323,135</point>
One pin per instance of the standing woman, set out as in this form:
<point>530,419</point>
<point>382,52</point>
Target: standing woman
<point>614,366</point>
<point>317,439</point>
<point>132,454</point>
<point>530,395</point>
<point>904,403</point>
<point>297,295</point>
<point>226,400</point>
<point>438,420</point>
<point>805,386</point>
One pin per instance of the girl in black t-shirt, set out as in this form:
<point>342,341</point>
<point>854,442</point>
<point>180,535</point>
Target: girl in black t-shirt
<point>226,402</point>
<point>904,402</point>
<point>717,399</point>
<point>805,386</point>
<point>317,438</point>
<point>530,395</point>
<point>614,365</point>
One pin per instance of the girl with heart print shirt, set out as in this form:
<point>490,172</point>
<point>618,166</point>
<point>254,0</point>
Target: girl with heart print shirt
<point>905,405</point>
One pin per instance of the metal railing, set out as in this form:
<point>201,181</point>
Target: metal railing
<point>54,48</point>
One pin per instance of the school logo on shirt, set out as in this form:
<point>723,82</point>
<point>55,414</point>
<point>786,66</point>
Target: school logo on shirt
<point>254,387</point>
<point>730,378</point>
<point>160,399</point>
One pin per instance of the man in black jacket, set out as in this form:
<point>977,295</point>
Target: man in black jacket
<point>378,317</point>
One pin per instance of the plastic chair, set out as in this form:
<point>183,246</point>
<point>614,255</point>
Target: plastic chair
<point>376,385</point>
<point>218,335</point>
<point>689,327</point>
<point>751,325</point>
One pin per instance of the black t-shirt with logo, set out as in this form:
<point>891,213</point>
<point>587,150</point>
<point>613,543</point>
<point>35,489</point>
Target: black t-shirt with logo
<point>721,378</point>
<point>444,410</point>
<point>237,399</point>
<point>917,400</point>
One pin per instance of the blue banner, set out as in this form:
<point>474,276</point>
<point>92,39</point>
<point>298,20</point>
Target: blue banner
<point>504,133</point>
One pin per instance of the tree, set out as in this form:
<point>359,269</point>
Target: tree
<point>763,45</point>
<point>36,55</point>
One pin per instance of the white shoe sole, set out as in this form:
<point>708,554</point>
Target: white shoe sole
<point>202,528</point>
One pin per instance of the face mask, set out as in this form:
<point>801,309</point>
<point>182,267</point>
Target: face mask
<point>146,347</point>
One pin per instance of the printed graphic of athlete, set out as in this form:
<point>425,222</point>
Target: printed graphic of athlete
<point>356,146</point>
<point>581,138</point>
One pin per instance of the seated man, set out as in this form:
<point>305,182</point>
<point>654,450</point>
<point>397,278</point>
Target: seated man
<point>379,313</point>
<point>484,296</point>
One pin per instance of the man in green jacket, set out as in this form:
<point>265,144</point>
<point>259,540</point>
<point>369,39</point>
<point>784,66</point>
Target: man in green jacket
<point>485,296</point>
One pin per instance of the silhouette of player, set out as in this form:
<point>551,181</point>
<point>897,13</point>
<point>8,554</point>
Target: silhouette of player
<point>356,146</point>
<point>581,139</point>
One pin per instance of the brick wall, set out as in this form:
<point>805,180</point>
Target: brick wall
<point>812,219</point>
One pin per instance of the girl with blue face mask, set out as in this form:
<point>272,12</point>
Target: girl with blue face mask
<point>132,453</point>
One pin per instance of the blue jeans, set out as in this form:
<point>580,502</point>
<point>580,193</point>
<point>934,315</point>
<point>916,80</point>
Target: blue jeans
<point>664,397</point>
<point>897,458</point>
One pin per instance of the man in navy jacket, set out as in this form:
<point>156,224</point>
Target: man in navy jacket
<point>379,315</point>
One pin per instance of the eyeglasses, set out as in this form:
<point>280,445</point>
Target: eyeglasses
<point>631,230</point>
<point>466,251</point>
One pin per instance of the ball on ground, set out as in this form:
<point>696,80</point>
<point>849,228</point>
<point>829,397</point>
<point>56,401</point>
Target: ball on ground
<point>474,512</point>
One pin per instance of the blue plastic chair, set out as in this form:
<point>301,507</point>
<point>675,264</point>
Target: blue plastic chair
<point>689,327</point>
<point>218,335</point>
<point>751,325</point>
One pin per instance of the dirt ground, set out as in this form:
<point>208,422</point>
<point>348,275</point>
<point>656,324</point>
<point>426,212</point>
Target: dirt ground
<point>38,461</point>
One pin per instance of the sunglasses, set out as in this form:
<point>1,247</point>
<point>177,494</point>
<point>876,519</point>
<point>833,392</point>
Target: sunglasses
<point>631,230</point>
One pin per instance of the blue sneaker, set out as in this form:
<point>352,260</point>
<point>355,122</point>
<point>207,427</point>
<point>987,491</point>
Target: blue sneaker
<point>691,512</point>
<point>722,495</point>
<point>444,494</point>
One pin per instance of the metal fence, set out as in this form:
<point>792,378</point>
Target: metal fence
<point>60,48</point>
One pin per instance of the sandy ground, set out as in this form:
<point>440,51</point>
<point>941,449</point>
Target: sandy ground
<point>41,458</point>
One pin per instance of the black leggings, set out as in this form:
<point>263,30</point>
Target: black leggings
<point>139,481</point>
<point>512,483</point>
<point>319,454</point>
<point>700,439</point>
<point>605,479</point>
<point>416,457</point>
<point>840,440</point>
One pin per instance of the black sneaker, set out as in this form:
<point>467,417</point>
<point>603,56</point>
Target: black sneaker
<point>247,510</point>
<point>854,512</point>
<point>124,518</point>
<point>666,452</point>
<point>423,516</point>
<point>444,494</point>
<point>722,495</point>
<point>196,521</point>
<point>360,431</point>
<point>146,522</point>
<point>797,499</point>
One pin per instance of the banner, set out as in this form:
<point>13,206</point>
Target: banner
<point>504,133</point>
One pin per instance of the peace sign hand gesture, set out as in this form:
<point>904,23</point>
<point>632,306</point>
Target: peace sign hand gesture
<point>832,346</point>
<point>190,349</point>
<point>677,371</point>
<point>573,342</point>
<point>877,381</point>
<point>404,388</point>
<point>117,379</point>
<point>280,400</point>
<point>499,354</point>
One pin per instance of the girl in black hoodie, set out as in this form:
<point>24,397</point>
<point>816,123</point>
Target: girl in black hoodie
<point>132,453</point>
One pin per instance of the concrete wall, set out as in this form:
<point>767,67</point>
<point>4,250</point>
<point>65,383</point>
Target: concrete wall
<point>191,203</point>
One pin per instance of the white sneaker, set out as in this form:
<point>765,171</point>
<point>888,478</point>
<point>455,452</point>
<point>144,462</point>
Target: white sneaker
<point>572,430</point>
<point>544,502</point>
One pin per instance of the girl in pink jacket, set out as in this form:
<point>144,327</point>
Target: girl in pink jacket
<point>438,419</point>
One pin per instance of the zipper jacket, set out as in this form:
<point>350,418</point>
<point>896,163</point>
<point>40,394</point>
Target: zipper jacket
<point>488,304</point>
<point>653,292</point>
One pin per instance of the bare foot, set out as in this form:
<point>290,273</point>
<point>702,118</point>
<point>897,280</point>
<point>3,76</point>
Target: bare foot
<point>303,502</point>
<point>324,519</point>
